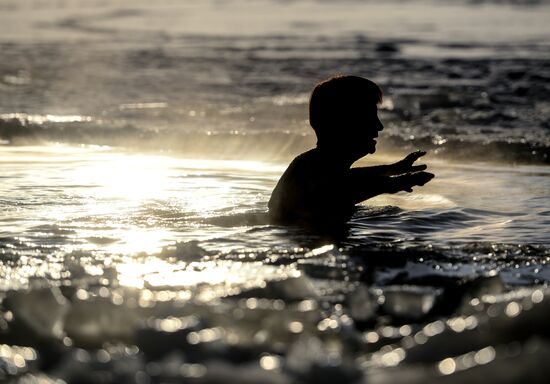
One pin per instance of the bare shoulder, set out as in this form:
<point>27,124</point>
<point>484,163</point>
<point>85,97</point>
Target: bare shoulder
<point>306,162</point>
<point>296,184</point>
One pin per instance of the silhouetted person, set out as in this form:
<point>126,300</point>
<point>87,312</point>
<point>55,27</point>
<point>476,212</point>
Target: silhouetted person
<point>319,187</point>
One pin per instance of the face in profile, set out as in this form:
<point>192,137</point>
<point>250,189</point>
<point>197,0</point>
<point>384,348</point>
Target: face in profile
<point>363,126</point>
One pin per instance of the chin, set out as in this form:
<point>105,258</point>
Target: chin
<point>358,153</point>
<point>372,148</point>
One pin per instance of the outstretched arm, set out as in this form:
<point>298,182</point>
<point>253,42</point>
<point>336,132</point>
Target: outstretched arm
<point>365,189</point>
<point>399,168</point>
<point>406,165</point>
<point>400,176</point>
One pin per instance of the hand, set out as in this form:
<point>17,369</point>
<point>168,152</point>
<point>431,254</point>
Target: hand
<point>406,165</point>
<point>413,179</point>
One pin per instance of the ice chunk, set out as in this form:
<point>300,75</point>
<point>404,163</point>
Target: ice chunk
<point>99,366</point>
<point>188,251</point>
<point>362,304</point>
<point>15,360</point>
<point>499,323</point>
<point>156,337</point>
<point>94,321</point>
<point>490,284</point>
<point>408,301</point>
<point>516,363</point>
<point>316,362</point>
<point>291,289</point>
<point>41,310</point>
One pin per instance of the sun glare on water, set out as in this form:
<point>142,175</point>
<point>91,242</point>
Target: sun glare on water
<point>129,206</point>
<point>140,195</point>
<point>154,272</point>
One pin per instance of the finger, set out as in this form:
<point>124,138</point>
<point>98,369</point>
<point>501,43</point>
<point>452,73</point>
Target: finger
<point>418,168</point>
<point>425,177</point>
<point>421,178</point>
<point>416,155</point>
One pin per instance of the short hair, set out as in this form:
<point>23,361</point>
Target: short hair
<point>334,99</point>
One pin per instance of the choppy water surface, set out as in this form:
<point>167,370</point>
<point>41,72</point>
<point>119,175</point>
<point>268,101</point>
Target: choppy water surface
<point>177,257</point>
<point>139,144</point>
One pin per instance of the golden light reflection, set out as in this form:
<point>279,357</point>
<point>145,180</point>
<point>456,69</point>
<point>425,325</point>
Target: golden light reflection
<point>126,203</point>
<point>219,276</point>
<point>41,119</point>
<point>135,240</point>
<point>132,177</point>
<point>466,361</point>
<point>447,366</point>
<point>270,362</point>
<point>99,202</point>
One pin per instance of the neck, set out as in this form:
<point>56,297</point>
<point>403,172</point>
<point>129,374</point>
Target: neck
<point>336,157</point>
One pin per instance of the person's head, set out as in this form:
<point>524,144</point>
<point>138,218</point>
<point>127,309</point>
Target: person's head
<point>343,114</point>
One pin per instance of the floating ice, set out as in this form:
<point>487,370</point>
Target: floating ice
<point>15,360</point>
<point>408,301</point>
<point>40,310</point>
<point>291,289</point>
<point>96,320</point>
<point>318,362</point>
<point>490,284</point>
<point>362,304</point>
<point>188,251</point>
